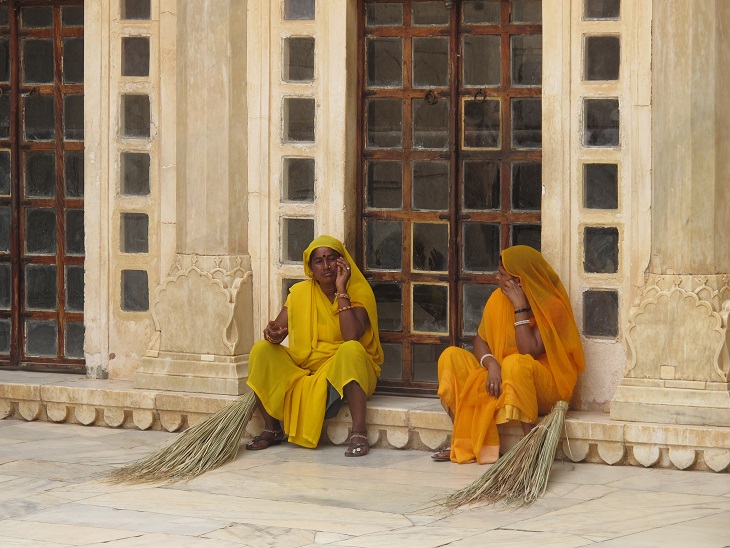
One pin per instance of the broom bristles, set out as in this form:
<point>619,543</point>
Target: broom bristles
<point>521,475</point>
<point>203,447</point>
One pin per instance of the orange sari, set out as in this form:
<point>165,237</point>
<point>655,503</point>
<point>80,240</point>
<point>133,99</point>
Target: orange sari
<point>529,386</point>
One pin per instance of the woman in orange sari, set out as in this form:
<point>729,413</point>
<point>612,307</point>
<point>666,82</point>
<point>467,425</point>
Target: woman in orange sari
<point>527,356</point>
<point>334,351</point>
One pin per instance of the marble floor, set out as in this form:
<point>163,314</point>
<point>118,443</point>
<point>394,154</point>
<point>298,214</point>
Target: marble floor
<point>51,495</point>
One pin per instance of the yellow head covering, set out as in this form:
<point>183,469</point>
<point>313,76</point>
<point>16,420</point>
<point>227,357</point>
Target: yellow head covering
<point>303,308</point>
<point>553,313</point>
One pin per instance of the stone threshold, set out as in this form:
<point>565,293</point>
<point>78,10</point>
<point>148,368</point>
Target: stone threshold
<point>400,422</point>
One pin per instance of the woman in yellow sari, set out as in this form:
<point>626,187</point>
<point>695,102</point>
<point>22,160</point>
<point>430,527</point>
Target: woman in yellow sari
<point>334,347</point>
<point>527,356</point>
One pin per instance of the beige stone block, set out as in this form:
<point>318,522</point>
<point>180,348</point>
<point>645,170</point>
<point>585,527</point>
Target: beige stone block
<point>676,435</point>
<point>667,372</point>
<point>682,457</point>
<point>433,439</point>
<point>691,385</point>
<point>398,437</point>
<point>646,455</point>
<point>337,432</point>
<point>29,410</point>
<point>386,416</point>
<point>143,419</point>
<point>629,381</point>
<point>85,414</point>
<point>429,420</point>
<point>126,397</point>
<point>611,452</point>
<point>114,416</point>
<point>171,421</point>
<point>576,449</point>
<point>57,412</point>
<point>594,430</point>
<point>150,381</point>
<point>717,459</point>
<point>6,409</point>
<point>196,418</point>
<point>193,403</point>
<point>16,392</point>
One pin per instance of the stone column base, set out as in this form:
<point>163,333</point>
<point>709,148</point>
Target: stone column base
<point>203,373</point>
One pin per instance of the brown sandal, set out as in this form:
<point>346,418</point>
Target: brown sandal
<point>358,449</point>
<point>265,439</point>
<point>442,456</point>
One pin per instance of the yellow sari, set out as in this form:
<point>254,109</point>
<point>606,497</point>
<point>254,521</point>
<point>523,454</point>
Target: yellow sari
<point>291,382</point>
<point>529,386</point>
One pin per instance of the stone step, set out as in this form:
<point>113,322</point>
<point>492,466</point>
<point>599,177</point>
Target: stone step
<point>401,422</point>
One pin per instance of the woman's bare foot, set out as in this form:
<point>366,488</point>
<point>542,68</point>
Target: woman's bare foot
<point>489,454</point>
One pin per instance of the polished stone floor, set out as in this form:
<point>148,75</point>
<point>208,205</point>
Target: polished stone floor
<point>50,495</point>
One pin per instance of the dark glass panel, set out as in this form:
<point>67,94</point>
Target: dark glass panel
<point>481,247</point>
<point>480,12</point>
<point>299,59</point>
<point>38,61</point>
<point>135,173</point>
<point>384,62</point>
<point>40,287</point>
<point>527,123</point>
<point>431,247</point>
<point>430,13</point>
<point>601,250</point>
<point>72,16</point>
<point>392,367</point>
<point>298,179</point>
<point>74,340</point>
<point>430,308</point>
<point>600,313</point>
<point>430,62</point>
<point>527,186</point>
<point>135,116</point>
<point>4,20</point>
<point>5,336</point>
<point>384,245</point>
<point>481,123</point>
<point>425,361</point>
<point>481,60</point>
<point>527,235</point>
<point>475,297</point>
<point>526,11</point>
<point>40,231</point>
<point>389,299</point>
<point>74,288</point>
<point>135,291</point>
<point>602,57</point>
<point>5,220</point>
<point>73,165</point>
<point>430,185</point>
<point>6,286</point>
<point>134,233</point>
<point>384,184</point>
<point>601,122</point>
<point>385,123</point>
<point>37,17</point>
<point>73,60</point>
<point>136,9</point>
<point>4,173</point>
<point>298,234</point>
<point>299,9</point>
<point>73,121</point>
<point>481,184</point>
<point>39,118</point>
<point>527,60</point>
<point>299,119</point>
<point>4,60</point>
<point>430,124</point>
<point>40,174</point>
<point>136,56</point>
<point>602,9</point>
<point>41,338</point>
<point>5,116</point>
<point>75,232</point>
<point>600,186</point>
<point>384,15</point>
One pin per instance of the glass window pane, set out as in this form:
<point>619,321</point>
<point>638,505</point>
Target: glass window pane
<point>526,11</point>
<point>4,60</point>
<point>39,118</point>
<point>431,247</point>
<point>602,57</point>
<point>5,219</point>
<point>298,62</point>
<point>135,9</point>
<point>74,340</point>
<point>38,61</point>
<point>41,338</point>
<point>430,124</point>
<point>430,185</point>
<point>384,62</point>
<point>5,116</point>
<point>475,297</point>
<point>481,60</point>
<point>383,15</point>
<point>602,9</point>
<point>40,174</point>
<point>526,123</point>
<point>430,62</point>
<point>481,247</point>
<point>299,9</point>
<point>425,361</point>
<point>40,287</point>
<point>384,245</point>
<point>4,173</point>
<point>74,232</point>
<point>527,60</point>
<point>600,186</point>
<point>40,231</point>
<point>600,313</point>
<point>73,60</point>
<point>74,288</point>
<point>601,122</point>
<point>431,308</point>
<point>135,173</point>
<point>73,165</point>
<point>5,286</point>
<point>601,250</point>
<point>299,119</point>
<point>527,186</point>
<point>286,284</point>
<point>392,367</point>
<point>389,300</point>
<point>4,19</point>
<point>298,180</point>
<point>384,184</point>
<point>529,235</point>
<point>72,16</point>
<point>481,185</point>
<point>135,116</point>
<point>73,117</point>
<point>385,123</point>
<point>430,13</point>
<point>134,233</point>
<point>297,235</point>
<point>5,336</point>
<point>37,18</point>
<point>481,123</point>
<point>480,12</point>
<point>136,56</point>
<point>135,291</point>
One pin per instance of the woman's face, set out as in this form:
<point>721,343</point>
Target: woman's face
<point>503,276</point>
<point>323,263</point>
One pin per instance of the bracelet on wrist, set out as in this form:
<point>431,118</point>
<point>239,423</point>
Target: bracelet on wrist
<point>341,296</point>
<point>345,308</point>
<point>522,322</point>
<point>526,309</point>
<point>481,360</point>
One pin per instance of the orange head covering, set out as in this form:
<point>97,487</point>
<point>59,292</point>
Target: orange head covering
<point>553,313</point>
<point>303,310</point>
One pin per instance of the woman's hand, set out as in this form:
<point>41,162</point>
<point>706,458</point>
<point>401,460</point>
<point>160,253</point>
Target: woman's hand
<point>344,271</point>
<point>275,333</point>
<point>513,291</point>
<point>494,378</point>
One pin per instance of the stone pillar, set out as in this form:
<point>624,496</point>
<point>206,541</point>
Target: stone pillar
<point>677,334</point>
<point>203,309</point>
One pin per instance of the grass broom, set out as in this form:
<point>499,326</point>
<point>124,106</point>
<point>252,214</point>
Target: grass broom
<point>521,476</point>
<point>202,447</point>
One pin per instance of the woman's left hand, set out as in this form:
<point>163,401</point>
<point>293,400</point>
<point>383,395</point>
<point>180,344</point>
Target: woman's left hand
<point>344,270</point>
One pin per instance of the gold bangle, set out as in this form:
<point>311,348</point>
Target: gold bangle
<point>344,308</point>
<point>341,296</point>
